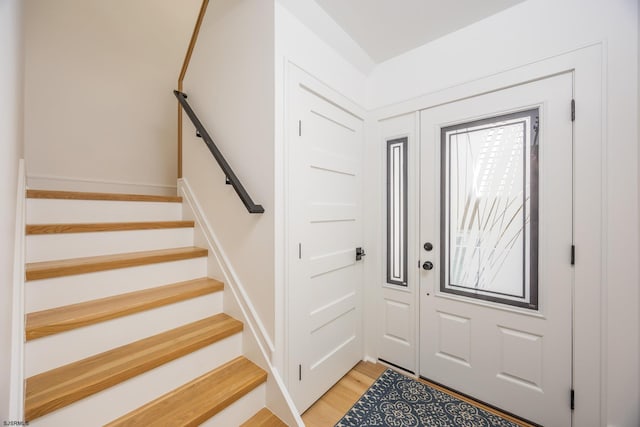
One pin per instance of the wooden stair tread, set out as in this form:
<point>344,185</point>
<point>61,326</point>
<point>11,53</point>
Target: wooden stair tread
<point>35,229</point>
<point>264,418</point>
<point>78,195</point>
<point>58,268</point>
<point>200,399</point>
<point>62,386</point>
<point>60,319</point>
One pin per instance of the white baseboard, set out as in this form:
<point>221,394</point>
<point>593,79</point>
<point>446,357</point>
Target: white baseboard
<point>282,405</point>
<point>16,393</point>
<point>62,183</point>
<point>370,359</point>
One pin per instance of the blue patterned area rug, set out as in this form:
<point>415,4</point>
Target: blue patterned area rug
<point>399,401</point>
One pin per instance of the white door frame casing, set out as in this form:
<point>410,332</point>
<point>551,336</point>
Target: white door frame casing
<point>296,76</point>
<point>590,234</point>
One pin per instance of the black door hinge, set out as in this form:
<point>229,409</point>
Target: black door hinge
<point>359,254</point>
<point>573,254</point>
<point>573,400</point>
<point>573,110</point>
<point>299,372</point>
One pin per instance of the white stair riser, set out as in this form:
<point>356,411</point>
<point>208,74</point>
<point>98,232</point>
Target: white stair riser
<point>125,397</point>
<point>43,354</point>
<point>240,410</point>
<point>59,291</point>
<point>53,211</point>
<point>48,247</point>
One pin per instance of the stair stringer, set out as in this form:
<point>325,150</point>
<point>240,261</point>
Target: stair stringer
<point>257,346</point>
<point>16,391</point>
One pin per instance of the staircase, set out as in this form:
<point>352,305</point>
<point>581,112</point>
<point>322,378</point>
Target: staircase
<point>123,325</point>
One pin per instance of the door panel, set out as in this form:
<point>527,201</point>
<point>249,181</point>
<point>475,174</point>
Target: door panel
<point>513,352</point>
<point>326,162</point>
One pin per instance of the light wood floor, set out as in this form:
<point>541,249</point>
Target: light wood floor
<point>341,397</point>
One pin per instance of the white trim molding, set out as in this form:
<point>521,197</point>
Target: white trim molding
<point>64,183</point>
<point>16,392</point>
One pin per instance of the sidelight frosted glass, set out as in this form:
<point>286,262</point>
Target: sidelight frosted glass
<point>397,212</point>
<point>489,194</point>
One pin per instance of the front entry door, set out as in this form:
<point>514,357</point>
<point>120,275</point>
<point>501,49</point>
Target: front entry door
<point>496,280</point>
<point>326,280</point>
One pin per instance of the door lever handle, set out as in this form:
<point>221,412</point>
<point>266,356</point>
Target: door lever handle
<point>359,254</point>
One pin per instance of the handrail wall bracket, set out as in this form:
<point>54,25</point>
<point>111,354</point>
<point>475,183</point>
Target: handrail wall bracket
<point>231,177</point>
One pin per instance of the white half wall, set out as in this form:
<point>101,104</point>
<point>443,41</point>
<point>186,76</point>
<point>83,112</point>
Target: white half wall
<point>524,34</point>
<point>11,150</point>
<point>230,88</point>
<point>99,107</point>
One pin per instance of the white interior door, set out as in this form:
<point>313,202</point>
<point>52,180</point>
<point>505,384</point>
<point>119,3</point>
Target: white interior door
<point>496,205</point>
<point>326,182</point>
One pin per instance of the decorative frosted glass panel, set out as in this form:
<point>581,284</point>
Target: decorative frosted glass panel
<point>489,217</point>
<point>397,211</point>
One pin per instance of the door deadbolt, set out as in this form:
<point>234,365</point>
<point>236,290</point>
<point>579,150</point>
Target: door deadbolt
<point>428,265</point>
<point>428,246</point>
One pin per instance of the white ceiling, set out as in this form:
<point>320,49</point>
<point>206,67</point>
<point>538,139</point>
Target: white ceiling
<point>387,28</point>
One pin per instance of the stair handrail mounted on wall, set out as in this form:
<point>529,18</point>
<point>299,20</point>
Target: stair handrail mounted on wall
<point>231,176</point>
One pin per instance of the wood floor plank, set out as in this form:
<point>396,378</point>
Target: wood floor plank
<point>332,406</point>
<point>370,369</point>
<point>37,229</point>
<point>62,386</point>
<point>78,195</point>
<point>264,418</point>
<point>49,269</point>
<point>200,399</point>
<point>322,414</point>
<point>48,322</point>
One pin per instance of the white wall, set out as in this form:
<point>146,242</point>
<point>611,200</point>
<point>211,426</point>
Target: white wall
<point>298,44</point>
<point>236,85</point>
<point>320,25</point>
<point>98,82</point>
<point>531,31</point>
<point>11,150</point>
<point>230,88</point>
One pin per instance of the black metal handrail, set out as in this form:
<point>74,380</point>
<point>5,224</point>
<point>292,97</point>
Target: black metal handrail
<point>231,177</point>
